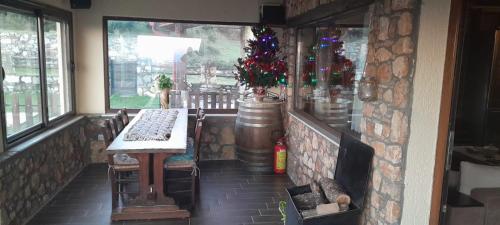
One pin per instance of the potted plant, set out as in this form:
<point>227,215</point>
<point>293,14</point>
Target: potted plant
<point>164,84</point>
<point>262,67</point>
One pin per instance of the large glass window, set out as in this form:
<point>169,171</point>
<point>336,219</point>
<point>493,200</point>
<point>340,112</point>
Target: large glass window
<point>21,63</point>
<point>37,64</point>
<point>330,62</point>
<point>199,58</point>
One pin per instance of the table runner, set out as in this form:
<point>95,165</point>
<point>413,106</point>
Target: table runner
<point>154,125</point>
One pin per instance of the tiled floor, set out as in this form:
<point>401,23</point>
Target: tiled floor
<point>228,196</point>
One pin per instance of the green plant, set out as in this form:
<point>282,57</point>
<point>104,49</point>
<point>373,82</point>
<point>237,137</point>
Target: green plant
<point>282,209</point>
<point>164,82</point>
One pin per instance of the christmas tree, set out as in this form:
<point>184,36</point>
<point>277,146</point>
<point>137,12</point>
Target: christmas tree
<point>309,73</point>
<point>262,67</point>
<point>339,71</point>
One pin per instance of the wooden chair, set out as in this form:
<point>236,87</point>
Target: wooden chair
<point>119,122</point>
<point>124,115</point>
<point>118,163</point>
<point>108,132</point>
<point>114,127</point>
<point>188,162</point>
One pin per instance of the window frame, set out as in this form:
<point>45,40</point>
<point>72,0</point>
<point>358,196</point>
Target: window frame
<point>40,12</point>
<point>313,19</point>
<point>105,20</point>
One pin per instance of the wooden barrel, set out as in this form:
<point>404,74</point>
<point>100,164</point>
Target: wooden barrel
<point>258,126</point>
<point>335,114</point>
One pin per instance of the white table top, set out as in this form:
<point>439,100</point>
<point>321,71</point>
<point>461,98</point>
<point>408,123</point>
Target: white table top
<point>175,144</point>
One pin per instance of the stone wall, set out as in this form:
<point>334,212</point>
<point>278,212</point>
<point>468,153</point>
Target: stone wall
<point>311,156</point>
<point>31,175</point>
<point>217,138</point>
<point>384,126</point>
<point>217,141</point>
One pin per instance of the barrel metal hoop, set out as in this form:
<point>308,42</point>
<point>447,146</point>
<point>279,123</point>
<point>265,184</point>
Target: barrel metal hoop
<point>256,125</point>
<point>264,110</point>
<point>255,117</point>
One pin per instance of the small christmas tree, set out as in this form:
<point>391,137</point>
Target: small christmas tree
<point>309,73</point>
<point>262,67</point>
<point>341,70</point>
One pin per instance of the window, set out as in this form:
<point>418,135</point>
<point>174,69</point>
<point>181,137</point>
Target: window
<point>21,63</point>
<point>36,59</point>
<point>58,68</point>
<point>331,58</point>
<point>199,58</point>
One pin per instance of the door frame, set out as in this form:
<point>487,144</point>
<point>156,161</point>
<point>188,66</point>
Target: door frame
<point>455,33</point>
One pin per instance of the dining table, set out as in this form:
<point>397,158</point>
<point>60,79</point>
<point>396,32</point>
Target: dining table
<point>151,201</point>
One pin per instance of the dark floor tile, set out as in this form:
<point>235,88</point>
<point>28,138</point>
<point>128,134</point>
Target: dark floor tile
<point>266,219</point>
<point>269,212</point>
<point>229,196</point>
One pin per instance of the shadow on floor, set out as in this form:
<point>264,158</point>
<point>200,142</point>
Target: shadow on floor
<point>229,196</point>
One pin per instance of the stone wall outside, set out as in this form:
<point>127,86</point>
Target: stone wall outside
<point>385,122</point>
<point>31,177</point>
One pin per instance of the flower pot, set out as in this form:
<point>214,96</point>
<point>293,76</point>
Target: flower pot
<point>164,98</point>
<point>259,93</point>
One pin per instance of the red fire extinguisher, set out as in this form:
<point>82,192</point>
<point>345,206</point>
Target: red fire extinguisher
<point>280,156</point>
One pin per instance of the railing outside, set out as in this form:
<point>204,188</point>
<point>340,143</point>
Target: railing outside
<point>23,105</point>
<point>204,100</point>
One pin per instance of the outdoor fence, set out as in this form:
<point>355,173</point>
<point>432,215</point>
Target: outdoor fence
<point>23,105</point>
<point>205,100</point>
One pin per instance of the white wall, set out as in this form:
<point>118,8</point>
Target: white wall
<point>431,48</point>
<point>90,97</point>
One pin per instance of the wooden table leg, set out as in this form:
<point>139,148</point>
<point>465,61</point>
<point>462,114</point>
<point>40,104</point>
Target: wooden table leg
<point>143,175</point>
<point>158,173</point>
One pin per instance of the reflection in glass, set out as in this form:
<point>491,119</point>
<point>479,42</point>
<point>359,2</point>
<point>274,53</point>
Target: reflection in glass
<point>330,62</point>
<point>20,59</point>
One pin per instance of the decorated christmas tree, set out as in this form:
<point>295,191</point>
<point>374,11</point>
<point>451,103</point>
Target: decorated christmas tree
<point>262,67</point>
<point>335,69</point>
<point>309,73</point>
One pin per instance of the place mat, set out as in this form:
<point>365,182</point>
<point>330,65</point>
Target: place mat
<point>154,125</point>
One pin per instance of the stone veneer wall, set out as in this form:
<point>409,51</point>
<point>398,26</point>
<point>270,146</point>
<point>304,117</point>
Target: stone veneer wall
<point>30,176</point>
<point>217,139</point>
<point>311,156</point>
<point>385,122</point>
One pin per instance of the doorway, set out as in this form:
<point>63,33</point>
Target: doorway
<point>467,174</point>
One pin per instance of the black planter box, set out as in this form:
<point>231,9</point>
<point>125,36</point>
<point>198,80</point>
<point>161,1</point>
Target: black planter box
<point>352,173</point>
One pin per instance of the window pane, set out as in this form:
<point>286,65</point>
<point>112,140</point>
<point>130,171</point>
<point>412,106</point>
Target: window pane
<point>58,68</point>
<point>330,62</point>
<point>199,58</point>
<point>19,48</point>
